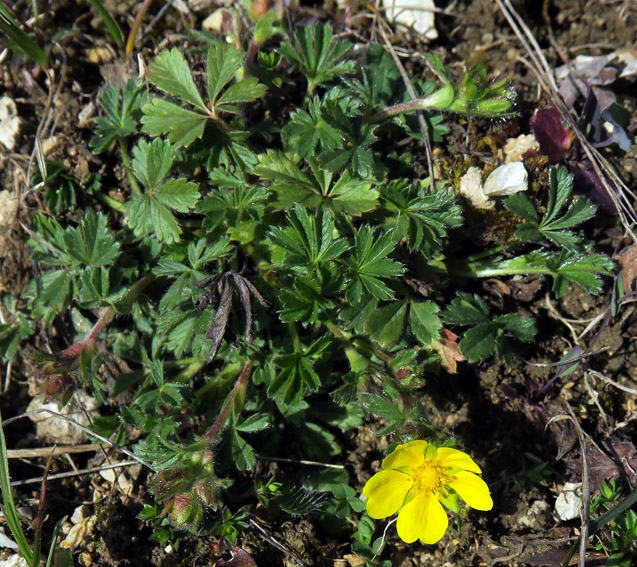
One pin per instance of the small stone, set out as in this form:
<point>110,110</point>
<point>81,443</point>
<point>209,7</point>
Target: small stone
<point>507,179</point>
<point>8,208</point>
<point>14,561</point>
<point>86,114</point>
<point>79,534</point>
<point>80,513</point>
<point>535,515</point>
<point>6,541</point>
<point>214,21</point>
<point>52,428</point>
<point>515,148</point>
<point>123,482</point>
<point>354,560</point>
<point>416,14</point>
<point>569,502</point>
<point>471,189</point>
<point>9,122</point>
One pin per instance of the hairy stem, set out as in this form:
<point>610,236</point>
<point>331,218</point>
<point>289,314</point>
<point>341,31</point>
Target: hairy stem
<point>241,382</point>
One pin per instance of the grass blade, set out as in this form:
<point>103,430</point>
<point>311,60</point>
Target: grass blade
<point>9,509</point>
<point>112,26</point>
<point>22,41</point>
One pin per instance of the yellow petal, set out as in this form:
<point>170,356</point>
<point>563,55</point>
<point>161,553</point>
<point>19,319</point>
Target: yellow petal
<point>386,492</point>
<point>422,518</point>
<point>453,458</point>
<point>411,454</point>
<point>472,489</point>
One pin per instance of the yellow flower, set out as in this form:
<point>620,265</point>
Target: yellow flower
<point>414,481</point>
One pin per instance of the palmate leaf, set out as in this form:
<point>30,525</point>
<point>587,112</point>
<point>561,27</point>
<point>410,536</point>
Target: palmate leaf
<point>318,56</point>
<point>369,263</point>
<point>421,217</point>
<point>310,298</point>
<point>152,161</point>
<point>424,321</point>
<point>182,126</point>
<point>351,195</point>
<point>151,212</point>
<point>306,132</point>
<point>289,183</point>
<point>552,226</point>
<point>486,335</point>
<point>355,136</point>
<point>13,332</point>
<point>224,60</point>
<point>89,244</point>
<point>170,73</point>
<point>49,295</point>
<point>309,239</point>
<point>296,375</point>
<point>119,121</point>
<point>385,325</point>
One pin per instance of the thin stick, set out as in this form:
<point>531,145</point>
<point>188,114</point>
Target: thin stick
<point>412,94</point>
<point>55,451</point>
<point>293,461</point>
<point>74,473</point>
<point>86,430</point>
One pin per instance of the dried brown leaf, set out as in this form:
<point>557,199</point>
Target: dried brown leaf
<point>627,259</point>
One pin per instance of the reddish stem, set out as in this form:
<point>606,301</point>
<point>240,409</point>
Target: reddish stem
<point>212,433</point>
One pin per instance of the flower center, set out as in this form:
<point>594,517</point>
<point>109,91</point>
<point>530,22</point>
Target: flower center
<point>429,477</point>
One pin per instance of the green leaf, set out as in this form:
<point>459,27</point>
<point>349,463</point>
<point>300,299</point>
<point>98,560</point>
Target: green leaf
<point>242,453</point>
<point>224,60</point>
<point>290,184</point>
<point>385,325</point>
<point>369,264</point>
<point>479,342</point>
<point>49,295</point>
<point>148,216</point>
<point>309,298</point>
<point>309,240</point>
<point>11,334</point>
<point>560,185</point>
<point>170,73</point>
<point>118,122</point>
<point>178,194</point>
<point>243,91</point>
<point>307,131</point>
<point>91,244</point>
<point>318,56</point>
<point>352,196</point>
<point>523,328</point>
<point>255,422</point>
<point>424,321</point>
<point>152,161</point>
<point>380,406</point>
<point>552,224</point>
<point>421,217</point>
<point>519,205</point>
<point>466,309</point>
<point>583,270</point>
<point>10,27</point>
<point>182,126</point>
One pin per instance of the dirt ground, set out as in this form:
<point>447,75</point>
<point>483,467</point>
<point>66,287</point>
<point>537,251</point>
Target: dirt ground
<point>504,412</point>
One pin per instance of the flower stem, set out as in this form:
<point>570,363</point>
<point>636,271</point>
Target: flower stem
<point>241,383</point>
<point>123,148</point>
<point>439,100</point>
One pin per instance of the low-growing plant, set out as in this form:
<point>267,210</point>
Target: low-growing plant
<point>282,276</point>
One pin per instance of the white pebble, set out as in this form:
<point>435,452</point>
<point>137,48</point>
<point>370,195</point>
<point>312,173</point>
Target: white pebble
<point>507,179</point>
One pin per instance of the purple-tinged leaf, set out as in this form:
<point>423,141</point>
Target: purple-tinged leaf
<point>555,140</point>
